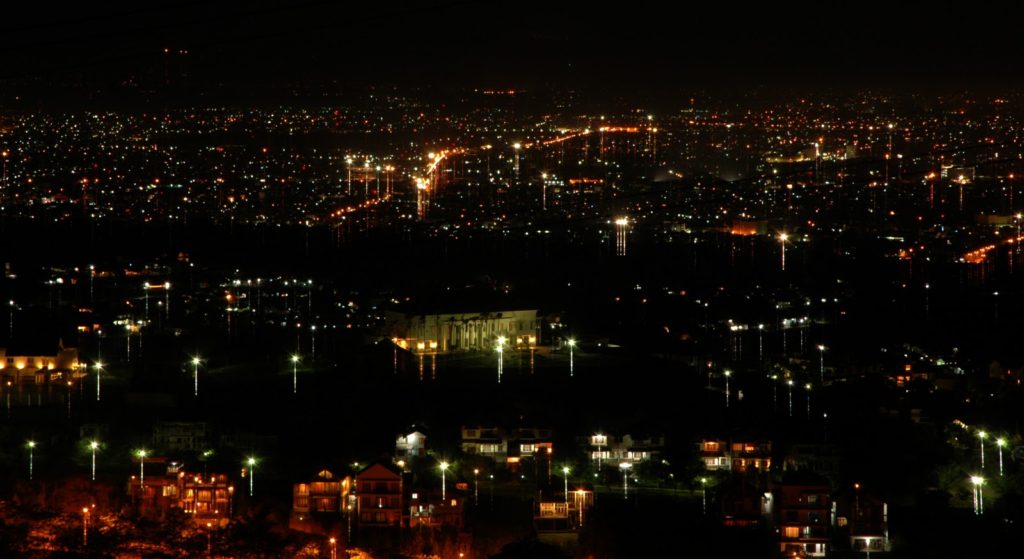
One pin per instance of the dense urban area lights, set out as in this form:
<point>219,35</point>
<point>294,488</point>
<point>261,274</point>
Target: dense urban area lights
<point>94,445</point>
<point>444,468</point>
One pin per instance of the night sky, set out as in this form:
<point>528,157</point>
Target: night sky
<point>475,42</point>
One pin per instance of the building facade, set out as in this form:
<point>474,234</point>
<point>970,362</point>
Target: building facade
<point>476,331</point>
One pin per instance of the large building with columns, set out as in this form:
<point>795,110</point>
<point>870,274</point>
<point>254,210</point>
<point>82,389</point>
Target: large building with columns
<point>472,331</point>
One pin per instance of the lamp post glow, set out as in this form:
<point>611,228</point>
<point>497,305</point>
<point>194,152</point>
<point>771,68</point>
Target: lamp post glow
<point>775,392</point>
<point>251,462</point>
<point>141,453</point>
<point>807,387</point>
<point>476,486</point>
<point>99,370</point>
<point>444,468</point>
<point>979,496</point>
<point>295,373</point>
<point>334,548</point>
<point>31,448</point>
<point>782,239</point>
<point>195,374</point>
<point>789,383</point>
<point>821,362</point>
<point>981,439</point>
<point>704,495</point>
<point>727,374</point>
<point>1000,443</point>
<point>94,445</point>
<point>572,345</point>
<point>501,356</point>
<point>625,466</point>
<point>565,478</point>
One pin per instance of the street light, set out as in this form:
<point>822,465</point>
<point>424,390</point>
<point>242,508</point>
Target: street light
<point>782,239</point>
<point>808,388</point>
<point>251,462</point>
<point>85,526</point>
<point>572,345</point>
<point>979,496</point>
<point>501,356</point>
<point>704,495</point>
<point>1000,443</point>
<point>565,478</point>
<point>334,548</point>
<point>295,373</point>
<point>141,453</point>
<point>821,362</point>
<point>195,373</point>
<point>31,455</point>
<point>981,439</point>
<point>789,383</point>
<point>727,374</point>
<point>476,486</point>
<point>625,466</point>
<point>94,445</point>
<point>444,468</point>
<point>209,539</point>
<point>99,368</point>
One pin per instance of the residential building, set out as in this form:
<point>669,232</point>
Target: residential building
<point>35,365</point>
<point>378,491</point>
<point>616,450</point>
<point>411,445</point>
<point>802,508</point>
<point>864,518</point>
<point>736,456</point>
<point>162,485</point>
<point>508,447</point>
<point>319,505</point>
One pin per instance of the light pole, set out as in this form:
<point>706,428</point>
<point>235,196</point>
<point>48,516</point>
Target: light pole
<point>727,374</point>
<point>704,495</point>
<point>782,239</point>
<point>94,445</point>
<point>10,325</point>
<point>31,455</point>
<point>501,355</point>
<point>295,373</point>
<point>141,453</point>
<point>625,466</point>
<point>572,345</point>
<point>821,362</point>
<point>85,526</point>
<point>789,383</point>
<point>807,387</point>
<point>334,548</point>
<point>476,486</point>
<point>979,496</point>
<point>565,478</point>
<point>99,370</point>
<point>1000,443</point>
<point>209,539</point>
<point>444,468</point>
<point>775,392</point>
<point>251,462</point>
<point>981,440</point>
<point>195,374</point>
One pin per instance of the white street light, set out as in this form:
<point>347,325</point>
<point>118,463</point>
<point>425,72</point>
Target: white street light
<point>981,439</point>
<point>782,239</point>
<point>979,496</point>
<point>572,345</point>
<point>94,445</point>
<point>99,370</point>
<point>195,374</point>
<point>565,478</point>
<point>141,453</point>
<point>31,455</point>
<point>727,374</point>
<point>252,472</point>
<point>625,466</point>
<point>444,468</point>
<point>295,373</point>
<point>704,495</point>
<point>1000,443</point>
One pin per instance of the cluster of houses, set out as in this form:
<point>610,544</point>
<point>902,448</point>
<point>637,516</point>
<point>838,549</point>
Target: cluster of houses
<point>801,507</point>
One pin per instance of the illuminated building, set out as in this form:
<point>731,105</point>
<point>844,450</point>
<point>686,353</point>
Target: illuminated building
<point>473,331</point>
<point>379,496</point>
<point>605,448</point>
<point>205,498</point>
<point>319,506</point>
<point>508,447</point>
<point>735,456</point>
<point>802,508</point>
<point>38,367</point>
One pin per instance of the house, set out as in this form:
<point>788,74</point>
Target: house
<point>427,509</point>
<point>802,508</point>
<point>743,504</point>
<point>735,456</point>
<point>161,485</point>
<point>409,446</point>
<point>36,365</point>
<point>508,447</point>
<point>378,491</point>
<point>180,436</point>
<point>626,448</point>
<point>864,518</point>
<point>558,515</point>
<point>319,505</point>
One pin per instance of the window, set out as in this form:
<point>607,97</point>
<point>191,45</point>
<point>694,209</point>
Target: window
<point>791,531</point>
<point>710,446</point>
<point>812,499</point>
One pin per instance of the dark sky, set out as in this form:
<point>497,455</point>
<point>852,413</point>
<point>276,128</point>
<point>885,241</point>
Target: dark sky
<point>480,42</point>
